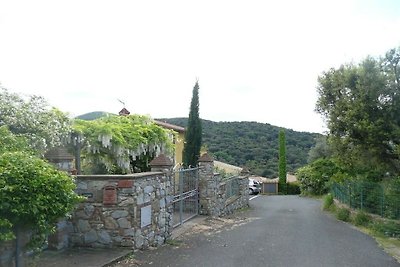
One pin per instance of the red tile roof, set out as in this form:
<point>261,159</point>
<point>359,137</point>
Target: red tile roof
<point>170,126</point>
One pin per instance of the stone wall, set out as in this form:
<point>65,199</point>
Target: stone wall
<point>133,210</point>
<point>213,198</point>
<point>227,205</point>
<point>122,210</point>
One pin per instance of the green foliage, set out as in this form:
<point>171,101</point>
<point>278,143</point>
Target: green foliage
<point>293,188</point>
<point>343,214</point>
<point>12,143</point>
<point>314,177</point>
<point>253,145</point>
<point>6,230</point>
<point>362,219</point>
<point>321,150</point>
<point>327,202</point>
<point>388,228</point>
<point>193,134</point>
<point>361,104</point>
<point>33,194</point>
<point>378,198</point>
<point>121,144</point>
<point>282,161</point>
<point>43,127</point>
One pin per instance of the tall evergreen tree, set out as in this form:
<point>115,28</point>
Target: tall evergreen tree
<point>282,161</point>
<point>191,151</point>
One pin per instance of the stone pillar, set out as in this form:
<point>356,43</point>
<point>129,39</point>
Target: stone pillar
<point>208,186</point>
<point>60,158</point>
<point>63,161</point>
<point>164,164</point>
<point>161,164</point>
<point>244,186</point>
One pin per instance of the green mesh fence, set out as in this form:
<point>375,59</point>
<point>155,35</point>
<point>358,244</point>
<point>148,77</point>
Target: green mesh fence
<point>375,198</point>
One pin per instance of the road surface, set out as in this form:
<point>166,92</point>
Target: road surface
<point>275,231</point>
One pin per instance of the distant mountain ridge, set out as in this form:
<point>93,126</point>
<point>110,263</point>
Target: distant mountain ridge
<point>253,145</point>
<point>93,115</point>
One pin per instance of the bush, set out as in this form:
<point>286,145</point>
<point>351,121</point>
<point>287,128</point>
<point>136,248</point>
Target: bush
<point>328,201</point>
<point>387,228</point>
<point>293,188</point>
<point>362,219</point>
<point>315,176</point>
<point>33,195</point>
<point>343,214</point>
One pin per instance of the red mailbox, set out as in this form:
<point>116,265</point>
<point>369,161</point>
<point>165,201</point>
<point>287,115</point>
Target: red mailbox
<point>109,195</point>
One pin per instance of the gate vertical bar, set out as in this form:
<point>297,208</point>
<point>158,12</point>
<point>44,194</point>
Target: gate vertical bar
<point>181,176</point>
<point>197,191</point>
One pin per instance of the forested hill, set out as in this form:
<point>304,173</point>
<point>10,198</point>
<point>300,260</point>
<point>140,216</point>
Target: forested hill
<point>252,144</point>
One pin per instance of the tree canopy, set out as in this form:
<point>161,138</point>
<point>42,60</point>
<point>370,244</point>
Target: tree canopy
<point>33,194</point>
<point>32,118</point>
<point>193,134</point>
<point>361,106</point>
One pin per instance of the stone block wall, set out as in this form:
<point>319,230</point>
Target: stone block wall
<point>213,198</point>
<point>122,210</point>
<point>228,205</point>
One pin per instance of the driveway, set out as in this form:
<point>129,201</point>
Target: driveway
<point>276,231</point>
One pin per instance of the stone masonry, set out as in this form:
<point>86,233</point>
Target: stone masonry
<point>122,210</point>
<point>213,199</point>
<point>133,210</point>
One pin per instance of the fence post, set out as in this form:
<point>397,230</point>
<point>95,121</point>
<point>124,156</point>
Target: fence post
<point>349,194</point>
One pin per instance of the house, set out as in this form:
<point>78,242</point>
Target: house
<point>227,168</point>
<point>179,140</point>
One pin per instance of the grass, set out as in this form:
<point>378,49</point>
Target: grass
<point>327,202</point>
<point>388,228</point>
<point>362,219</point>
<point>386,232</point>
<point>173,242</point>
<point>343,214</point>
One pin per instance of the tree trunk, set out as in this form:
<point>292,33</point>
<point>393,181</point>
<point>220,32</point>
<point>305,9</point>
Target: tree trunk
<point>17,232</point>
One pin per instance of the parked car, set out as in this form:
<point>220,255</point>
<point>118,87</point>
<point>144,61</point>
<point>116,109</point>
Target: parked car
<point>254,187</point>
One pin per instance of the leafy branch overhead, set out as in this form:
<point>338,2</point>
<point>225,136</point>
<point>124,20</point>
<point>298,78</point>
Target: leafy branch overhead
<point>117,141</point>
<point>361,105</point>
<point>31,117</point>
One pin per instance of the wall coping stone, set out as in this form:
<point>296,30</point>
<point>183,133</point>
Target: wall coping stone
<point>118,176</point>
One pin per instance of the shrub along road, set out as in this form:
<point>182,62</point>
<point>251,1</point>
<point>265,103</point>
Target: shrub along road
<point>276,231</point>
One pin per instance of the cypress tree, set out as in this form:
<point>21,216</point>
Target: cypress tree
<point>282,161</point>
<point>191,151</point>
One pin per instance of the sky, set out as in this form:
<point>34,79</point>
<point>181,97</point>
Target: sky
<point>254,60</point>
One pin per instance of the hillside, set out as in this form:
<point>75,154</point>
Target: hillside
<point>253,145</point>
<point>92,115</point>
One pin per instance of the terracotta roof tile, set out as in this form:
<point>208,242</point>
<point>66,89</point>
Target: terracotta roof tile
<point>206,158</point>
<point>170,126</point>
<point>161,160</point>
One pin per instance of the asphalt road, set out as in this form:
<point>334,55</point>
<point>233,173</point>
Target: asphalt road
<point>280,231</point>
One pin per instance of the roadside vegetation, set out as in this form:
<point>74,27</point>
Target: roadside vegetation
<point>357,164</point>
<point>34,195</point>
<point>385,231</point>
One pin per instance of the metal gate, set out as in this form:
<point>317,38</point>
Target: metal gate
<point>186,195</point>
